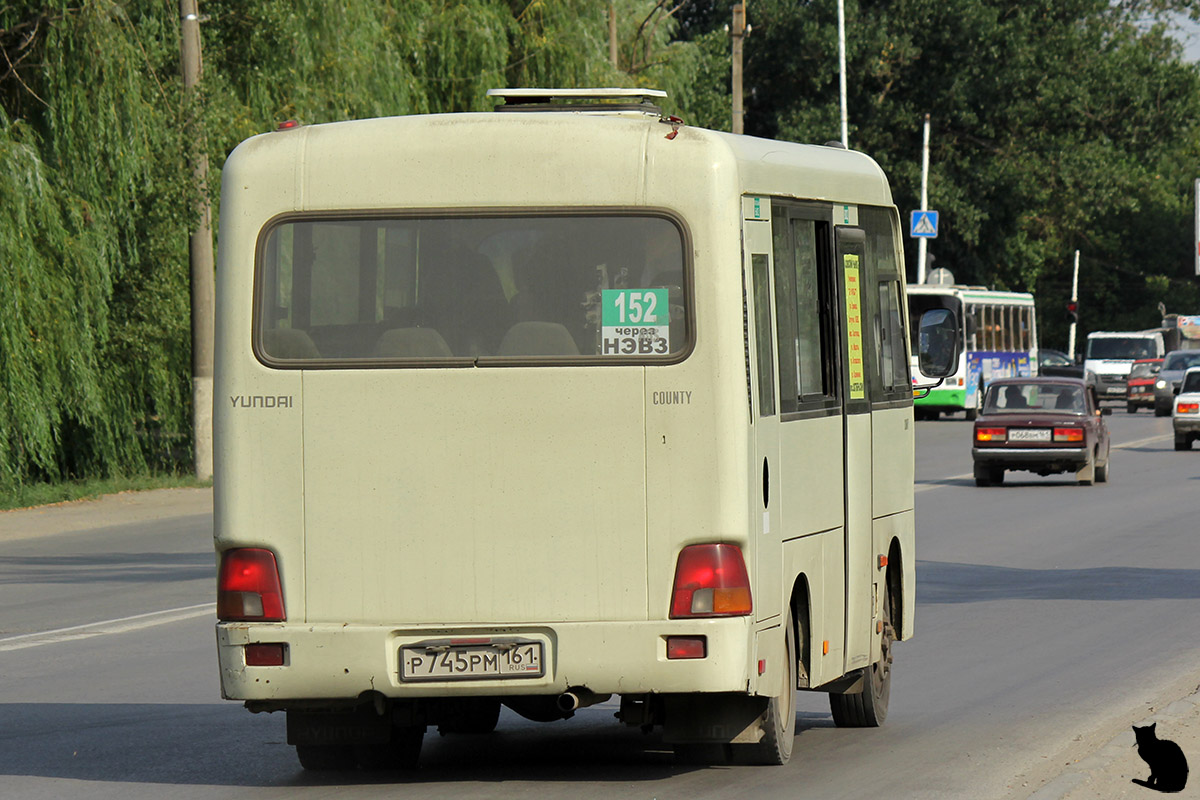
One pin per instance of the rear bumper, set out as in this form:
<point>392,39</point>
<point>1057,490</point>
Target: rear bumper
<point>1186,424</point>
<point>1049,459</point>
<point>331,661</point>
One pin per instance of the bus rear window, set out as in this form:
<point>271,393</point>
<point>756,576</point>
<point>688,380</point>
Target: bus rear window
<point>453,290</point>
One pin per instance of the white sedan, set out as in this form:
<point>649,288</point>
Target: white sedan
<point>1185,414</point>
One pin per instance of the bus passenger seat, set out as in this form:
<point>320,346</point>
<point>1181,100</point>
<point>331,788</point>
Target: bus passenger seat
<point>538,339</point>
<point>412,343</point>
<point>291,344</point>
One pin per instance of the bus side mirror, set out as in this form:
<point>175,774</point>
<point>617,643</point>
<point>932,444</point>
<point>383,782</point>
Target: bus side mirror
<point>938,338</point>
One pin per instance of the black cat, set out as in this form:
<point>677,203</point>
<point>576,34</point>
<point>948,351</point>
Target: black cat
<point>1168,767</point>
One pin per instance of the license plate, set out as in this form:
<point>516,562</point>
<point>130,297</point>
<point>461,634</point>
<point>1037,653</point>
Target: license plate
<point>1029,434</point>
<point>1115,390</point>
<point>444,660</point>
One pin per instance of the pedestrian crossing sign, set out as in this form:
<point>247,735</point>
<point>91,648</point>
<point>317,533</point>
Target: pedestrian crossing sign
<point>924,224</point>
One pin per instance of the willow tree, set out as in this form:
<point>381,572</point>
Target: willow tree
<point>94,340</point>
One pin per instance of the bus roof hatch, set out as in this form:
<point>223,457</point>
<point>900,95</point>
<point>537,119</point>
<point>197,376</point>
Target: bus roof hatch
<point>592,101</point>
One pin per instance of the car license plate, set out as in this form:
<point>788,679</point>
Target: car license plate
<point>1029,434</point>
<point>446,660</point>
<point>1115,390</point>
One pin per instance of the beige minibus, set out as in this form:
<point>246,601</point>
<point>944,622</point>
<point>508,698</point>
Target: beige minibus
<point>562,404</point>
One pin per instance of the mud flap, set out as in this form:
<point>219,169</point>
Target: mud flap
<point>713,718</point>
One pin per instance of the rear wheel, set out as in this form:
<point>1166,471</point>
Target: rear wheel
<point>1131,408</point>
<point>868,709</point>
<point>1088,473</point>
<point>1102,469</point>
<point>779,724</point>
<point>1183,443</point>
<point>1161,410</point>
<point>988,476</point>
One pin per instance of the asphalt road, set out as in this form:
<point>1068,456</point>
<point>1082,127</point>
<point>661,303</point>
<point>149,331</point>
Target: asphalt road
<point>1049,615</point>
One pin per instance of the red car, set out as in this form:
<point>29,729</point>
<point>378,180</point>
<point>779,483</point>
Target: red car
<point>1140,392</point>
<point>1042,425</point>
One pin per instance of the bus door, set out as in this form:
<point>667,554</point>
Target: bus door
<point>765,467</point>
<point>851,272</point>
<point>811,464</point>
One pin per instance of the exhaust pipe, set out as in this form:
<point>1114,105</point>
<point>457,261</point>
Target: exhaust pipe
<point>576,698</point>
<point>548,708</point>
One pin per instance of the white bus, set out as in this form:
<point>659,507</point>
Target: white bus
<point>556,404</point>
<point>999,340</point>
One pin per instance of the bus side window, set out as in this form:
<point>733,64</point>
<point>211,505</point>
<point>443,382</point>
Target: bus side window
<point>892,362</point>
<point>760,265</point>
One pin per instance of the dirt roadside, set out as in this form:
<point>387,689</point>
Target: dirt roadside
<point>1106,770</point>
<point>112,509</point>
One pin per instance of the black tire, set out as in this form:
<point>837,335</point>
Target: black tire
<point>1131,408</point>
<point>779,723</point>
<point>325,758</point>
<point>983,475</point>
<point>1183,443</point>
<point>1102,469</point>
<point>868,709</point>
<point>997,475</point>
<point>1161,411</point>
<point>1088,474</point>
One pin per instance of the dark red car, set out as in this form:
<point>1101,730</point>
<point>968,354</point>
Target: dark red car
<point>1042,425</point>
<point>1140,386</point>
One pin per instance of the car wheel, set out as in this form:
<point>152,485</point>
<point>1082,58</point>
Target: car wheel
<point>1183,443</point>
<point>868,709</point>
<point>1102,469</point>
<point>983,475</point>
<point>1131,408</point>
<point>1088,473</point>
<point>1161,411</point>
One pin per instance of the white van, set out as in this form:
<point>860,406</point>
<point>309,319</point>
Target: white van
<point>1110,355</point>
<point>554,404</point>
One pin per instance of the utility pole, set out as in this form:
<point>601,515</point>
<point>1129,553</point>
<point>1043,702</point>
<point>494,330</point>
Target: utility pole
<point>612,33</point>
<point>739,33</point>
<point>200,250</point>
<point>922,243</point>
<point>1074,300</point>
<point>841,6</point>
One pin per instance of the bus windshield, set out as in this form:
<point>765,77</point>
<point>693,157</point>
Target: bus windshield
<point>464,288</point>
<point>1120,347</point>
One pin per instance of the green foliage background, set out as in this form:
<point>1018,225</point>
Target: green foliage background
<point>1057,125</point>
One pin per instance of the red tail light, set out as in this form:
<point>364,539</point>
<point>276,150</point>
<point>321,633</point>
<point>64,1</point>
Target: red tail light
<point>248,587</point>
<point>711,581</point>
<point>991,434</point>
<point>1068,434</point>
<point>1187,408</point>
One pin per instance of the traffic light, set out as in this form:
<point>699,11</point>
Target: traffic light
<point>1072,311</point>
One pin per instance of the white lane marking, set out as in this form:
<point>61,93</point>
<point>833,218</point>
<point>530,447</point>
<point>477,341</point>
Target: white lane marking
<point>105,627</point>
<point>924,487</point>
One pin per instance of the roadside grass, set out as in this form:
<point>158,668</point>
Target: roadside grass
<point>42,494</point>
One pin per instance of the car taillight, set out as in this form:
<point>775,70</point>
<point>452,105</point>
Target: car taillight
<point>991,434</point>
<point>711,581</point>
<point>1187,408</point>
<point>248,587</point>
<point>1068,434</point>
